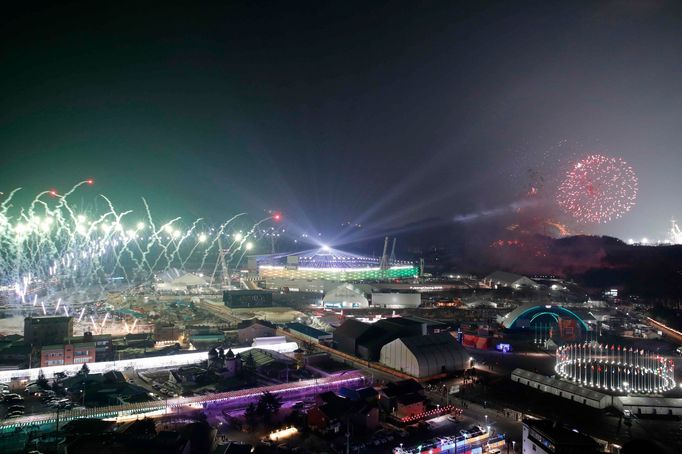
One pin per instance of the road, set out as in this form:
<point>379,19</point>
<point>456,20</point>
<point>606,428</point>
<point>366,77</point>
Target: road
<point>233,399</point>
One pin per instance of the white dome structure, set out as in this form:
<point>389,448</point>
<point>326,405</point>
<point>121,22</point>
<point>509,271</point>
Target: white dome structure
<point>425,356</point>
<point>345,296</point>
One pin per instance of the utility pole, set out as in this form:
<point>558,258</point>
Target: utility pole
<point>391,259</point>
<point>348,433</point>
<point>56,438</point>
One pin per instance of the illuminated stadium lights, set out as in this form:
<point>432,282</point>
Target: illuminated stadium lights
<point>336,273</point>
<point>615,368</point>
<point>283,433</point>
<point>431,413</point>
<point>327,263</point>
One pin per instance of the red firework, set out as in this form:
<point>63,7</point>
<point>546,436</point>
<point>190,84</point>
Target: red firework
<point>598,189</point>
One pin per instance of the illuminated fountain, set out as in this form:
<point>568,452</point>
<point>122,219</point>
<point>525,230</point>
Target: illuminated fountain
<point>615,368</point>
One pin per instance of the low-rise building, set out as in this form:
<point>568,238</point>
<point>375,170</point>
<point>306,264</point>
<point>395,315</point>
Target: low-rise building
<point>544,436</point>
<point>47,330</point>
<point>333,413</point>
<point>66,354</point>
<point>561,388</point>
<point>403,398</point>
<point>248,330</point>
<point>104,346</point>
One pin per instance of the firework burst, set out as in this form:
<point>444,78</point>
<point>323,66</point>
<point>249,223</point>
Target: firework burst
<point>53,245</point>
<point>598,189</point>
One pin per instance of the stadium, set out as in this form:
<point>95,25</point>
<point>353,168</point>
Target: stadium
<point>331,265</point>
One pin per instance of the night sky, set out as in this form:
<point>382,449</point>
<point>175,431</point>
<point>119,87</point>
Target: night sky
<point>376,114</point>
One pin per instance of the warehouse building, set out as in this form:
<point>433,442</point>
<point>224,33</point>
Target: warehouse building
<point>647,405</point>
<point>425,356</point>
<point>365,340</point>
<point>562,388</point>
<point>237,299</point>
<point>395,300</point>
<point>347,335</point>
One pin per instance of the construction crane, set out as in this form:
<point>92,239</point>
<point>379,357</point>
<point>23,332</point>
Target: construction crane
<point>225,274</point>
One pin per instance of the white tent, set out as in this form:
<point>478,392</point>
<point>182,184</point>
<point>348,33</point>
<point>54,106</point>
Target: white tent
<point>424,356</point>
<point>174,280</point>
<point>346,296</point>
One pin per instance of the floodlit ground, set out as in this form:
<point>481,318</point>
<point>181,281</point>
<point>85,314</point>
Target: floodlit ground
<point>12,325</point>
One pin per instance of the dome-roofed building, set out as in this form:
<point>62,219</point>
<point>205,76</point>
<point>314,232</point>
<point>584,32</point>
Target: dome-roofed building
<point>346,296</point>
<point>174,280</point>
<point>505,279</point>
<point>425,356</point>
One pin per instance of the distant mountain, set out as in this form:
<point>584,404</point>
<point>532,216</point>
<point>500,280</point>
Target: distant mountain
<point>595,262</point>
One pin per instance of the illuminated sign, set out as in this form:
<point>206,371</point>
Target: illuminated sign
<point>504,348</point>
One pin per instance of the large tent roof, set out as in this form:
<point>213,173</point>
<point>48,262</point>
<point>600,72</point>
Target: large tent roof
<point>435,350</point>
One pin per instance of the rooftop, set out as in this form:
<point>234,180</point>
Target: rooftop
<point>561,435</point>
<point>352,328</point>
<point>254,321</point>
<point>325,258</point>
<point>307,330</point>
<point>402,387</point>
<point>560,384</point>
